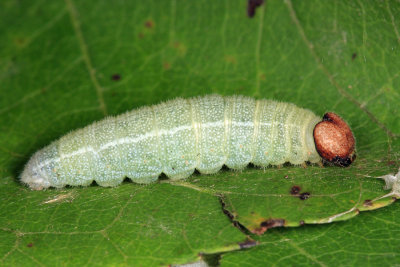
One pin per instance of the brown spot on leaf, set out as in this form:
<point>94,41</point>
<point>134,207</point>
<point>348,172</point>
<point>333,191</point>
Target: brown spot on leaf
<point>334,140</point>
<point>368,203</point>
<point>149,24</point>
<point>252,5</point>
<point>353,56</point>
<point>270,223</point>
<point>304,196</point>
<point>295,190</point>
<point>116,77</point>
<point>29,245</point>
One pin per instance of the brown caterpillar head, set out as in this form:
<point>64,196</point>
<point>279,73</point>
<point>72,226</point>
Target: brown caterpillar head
<point>334,140</point>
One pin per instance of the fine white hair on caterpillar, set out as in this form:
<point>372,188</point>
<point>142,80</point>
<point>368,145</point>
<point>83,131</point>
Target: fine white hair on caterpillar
<point>181,135</point>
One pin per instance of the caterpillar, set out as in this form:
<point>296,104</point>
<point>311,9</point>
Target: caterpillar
<point>181,135</point>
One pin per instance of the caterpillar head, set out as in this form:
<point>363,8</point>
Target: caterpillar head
<point>34,175</point>
<point>334,140</point>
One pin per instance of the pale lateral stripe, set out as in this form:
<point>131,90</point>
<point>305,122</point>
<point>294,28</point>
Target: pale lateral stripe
<point>130,140</point>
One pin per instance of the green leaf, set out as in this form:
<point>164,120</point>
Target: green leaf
<point>66,64</point>
<point>130,224</point>
<point>293,196</point>
<point>370,239</point>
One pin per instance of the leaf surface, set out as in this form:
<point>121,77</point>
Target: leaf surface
<point>66,64</point>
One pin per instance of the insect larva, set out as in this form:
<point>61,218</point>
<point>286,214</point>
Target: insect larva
<point>181,135</point>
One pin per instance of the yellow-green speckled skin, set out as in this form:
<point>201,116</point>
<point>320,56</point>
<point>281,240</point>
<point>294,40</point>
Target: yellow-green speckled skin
<point>175,138</point>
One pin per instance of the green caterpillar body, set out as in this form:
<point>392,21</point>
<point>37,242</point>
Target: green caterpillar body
<point>175,138</point>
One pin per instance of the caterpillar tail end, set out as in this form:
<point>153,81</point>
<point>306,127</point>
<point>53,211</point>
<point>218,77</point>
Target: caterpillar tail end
<point>334,140</point>
<point>32,176</point>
